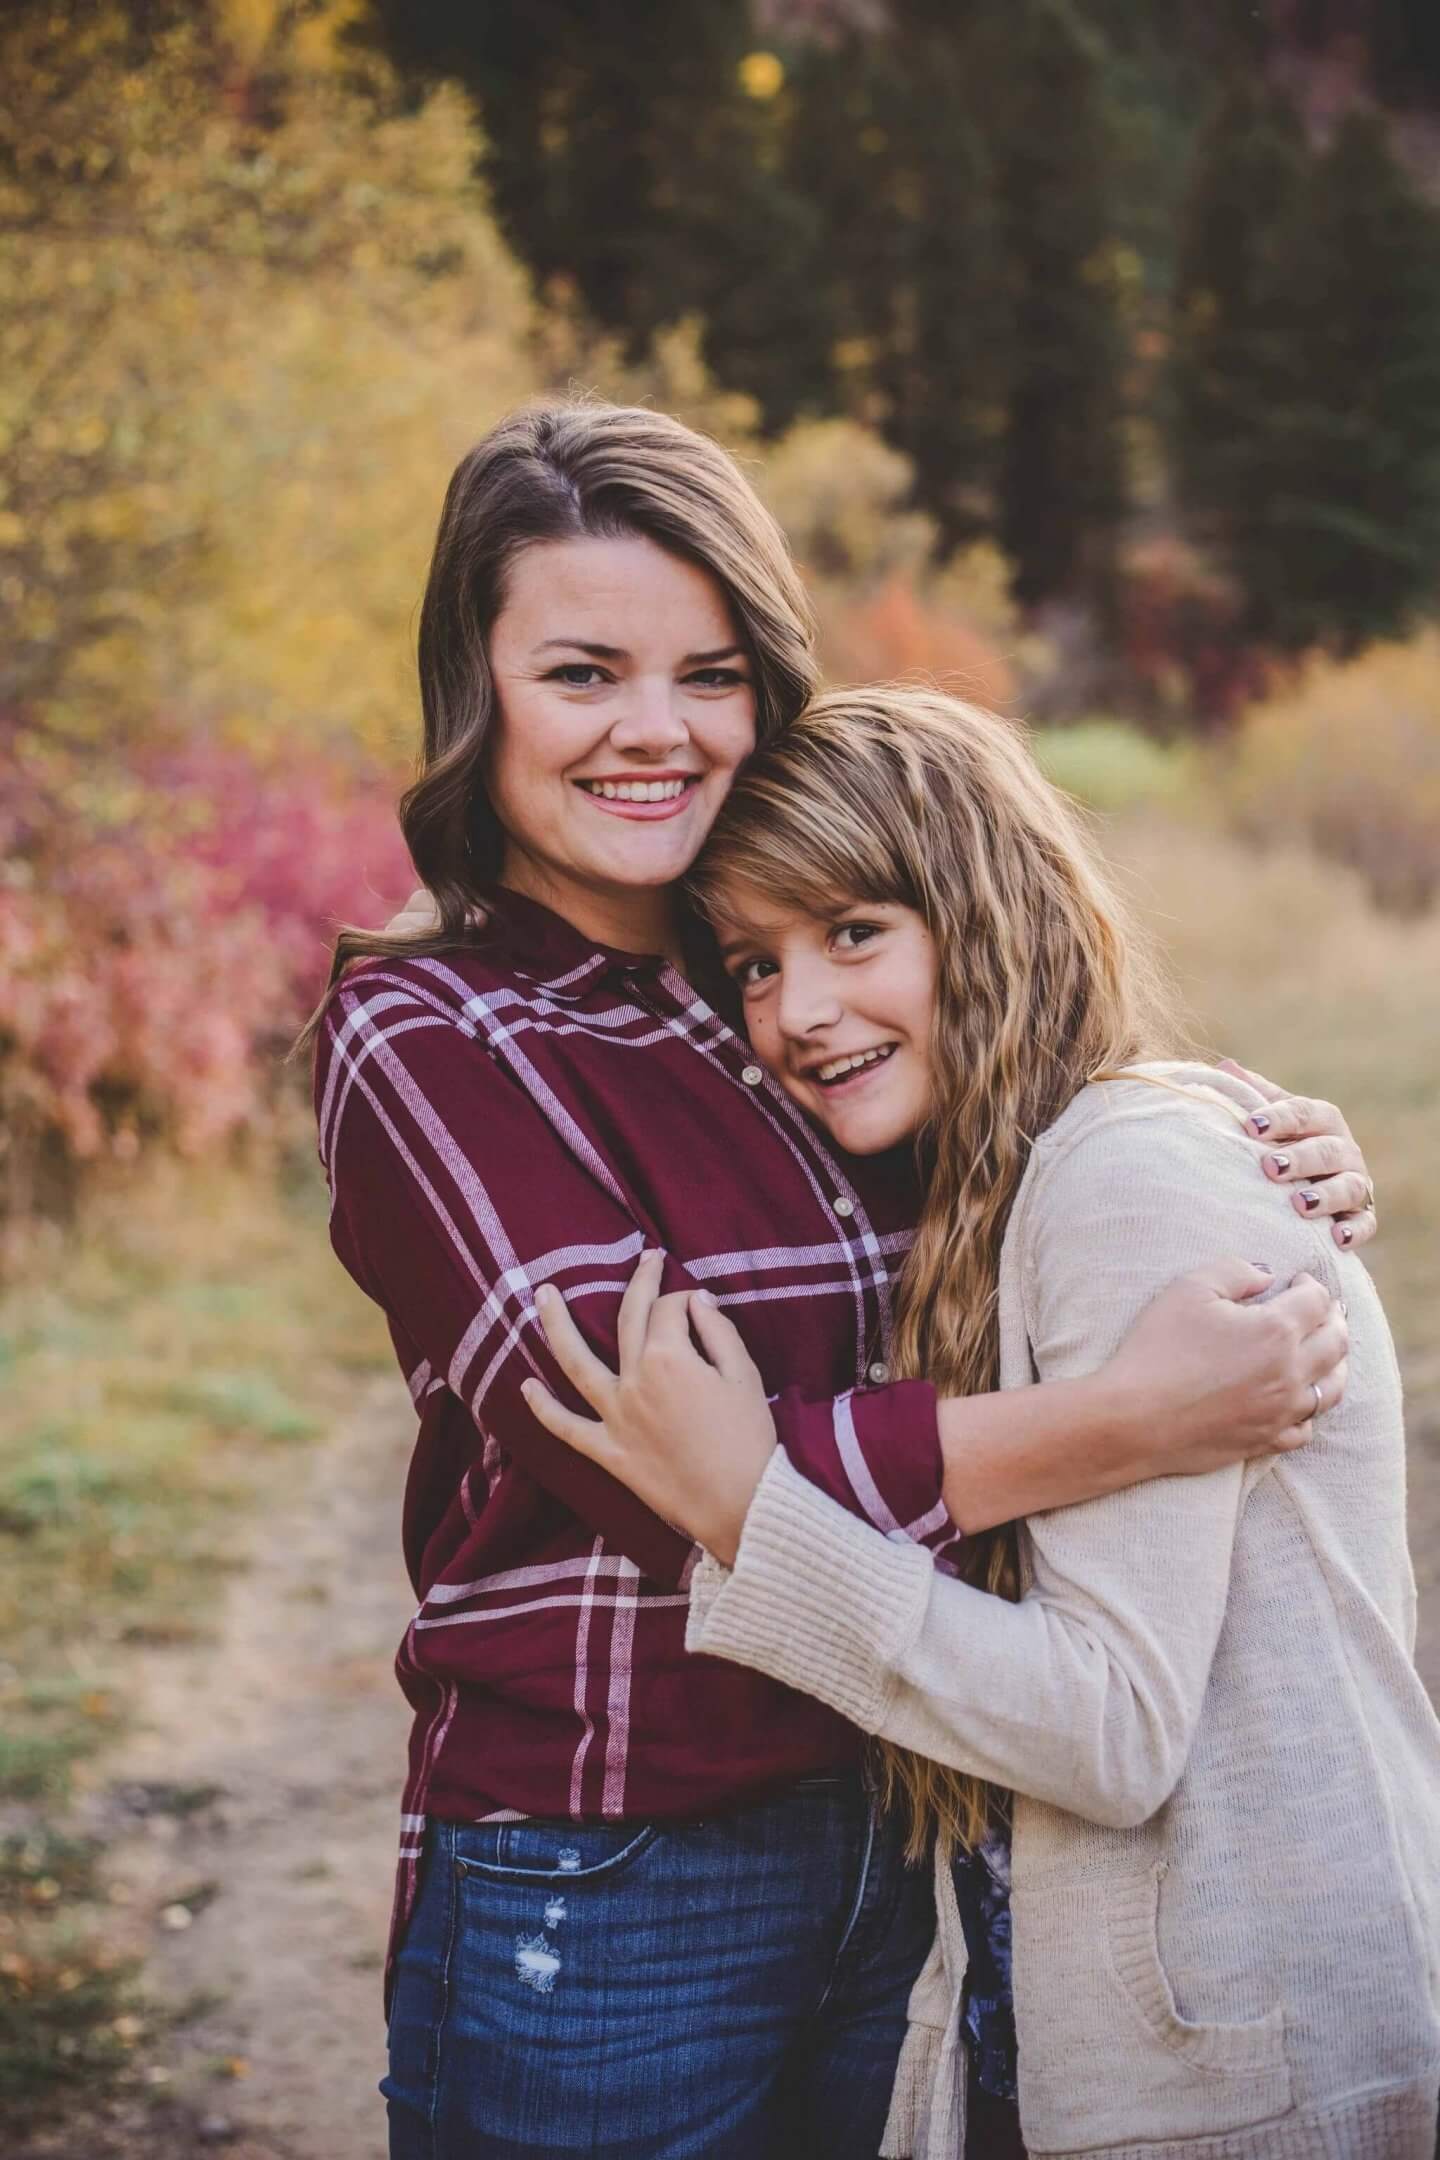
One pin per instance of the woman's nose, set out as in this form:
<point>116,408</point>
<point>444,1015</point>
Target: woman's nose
<point>650,722</point>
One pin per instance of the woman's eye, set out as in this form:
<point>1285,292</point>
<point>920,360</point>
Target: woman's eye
<point>578,675</point>
<point>716,678</point>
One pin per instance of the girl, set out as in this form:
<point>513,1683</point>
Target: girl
<point>610,623</point>
<point>1226,1824</point>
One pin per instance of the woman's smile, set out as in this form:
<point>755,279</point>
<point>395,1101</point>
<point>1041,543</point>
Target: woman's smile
<point>641,795</point>
<point>626,704</point>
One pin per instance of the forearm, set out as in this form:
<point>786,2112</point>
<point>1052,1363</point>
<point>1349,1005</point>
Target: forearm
<point>1023,1451</point>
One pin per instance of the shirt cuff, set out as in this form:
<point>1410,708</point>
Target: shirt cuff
<point>875,1450</point>
<point>816,1599</point>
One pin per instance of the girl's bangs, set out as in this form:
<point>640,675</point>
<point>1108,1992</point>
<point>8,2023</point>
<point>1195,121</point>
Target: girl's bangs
<point>803,845</point>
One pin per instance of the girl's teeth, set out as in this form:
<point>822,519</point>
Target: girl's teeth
<point>841,1066</point>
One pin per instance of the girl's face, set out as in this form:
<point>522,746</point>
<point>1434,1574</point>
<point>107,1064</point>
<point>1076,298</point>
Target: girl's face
<point>839,1010</point>
<point>625,705</point>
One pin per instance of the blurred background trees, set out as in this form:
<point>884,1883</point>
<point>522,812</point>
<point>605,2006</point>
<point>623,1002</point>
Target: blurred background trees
<point>1092,362</point>
<point>1089,352</point>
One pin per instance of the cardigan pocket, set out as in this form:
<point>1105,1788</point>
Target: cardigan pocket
<point>1105,2056</point>
<point>1258,2045</point>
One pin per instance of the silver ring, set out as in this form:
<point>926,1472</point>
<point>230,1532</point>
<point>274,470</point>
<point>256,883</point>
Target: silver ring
<point>1315,1391</point>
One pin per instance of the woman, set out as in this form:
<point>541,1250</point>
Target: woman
<point>611,620</point>
<point>1226,1822</point>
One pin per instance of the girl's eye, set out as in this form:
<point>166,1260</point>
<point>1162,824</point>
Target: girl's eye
<point>751,973</point>
<point>578,675</point>
<point>859,933</point>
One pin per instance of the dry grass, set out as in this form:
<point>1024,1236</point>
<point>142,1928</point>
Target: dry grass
<point>1287,966</point>
<point>158,1370</point>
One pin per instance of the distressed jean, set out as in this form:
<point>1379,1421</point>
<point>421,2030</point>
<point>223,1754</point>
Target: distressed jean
<point>733,1987</point>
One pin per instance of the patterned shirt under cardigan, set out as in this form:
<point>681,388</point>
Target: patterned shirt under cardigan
<point>540,1108</point>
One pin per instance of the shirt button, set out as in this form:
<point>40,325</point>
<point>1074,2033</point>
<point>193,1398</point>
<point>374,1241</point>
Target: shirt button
<point>752,1075</point>
<point>879,1372</point>
<point>844,1206</point>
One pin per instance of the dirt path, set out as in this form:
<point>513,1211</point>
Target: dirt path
<point>262,1791</point>
<point>267,1804</point>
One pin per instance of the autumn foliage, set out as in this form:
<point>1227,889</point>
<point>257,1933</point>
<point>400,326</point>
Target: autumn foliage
<point>163,930</point>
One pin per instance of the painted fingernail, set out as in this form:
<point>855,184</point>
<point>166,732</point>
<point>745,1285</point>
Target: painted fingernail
<point>1259,1120</point>
<point>1280,1162</point>
<point>1345,1234</point>
<point>1309,1201</point>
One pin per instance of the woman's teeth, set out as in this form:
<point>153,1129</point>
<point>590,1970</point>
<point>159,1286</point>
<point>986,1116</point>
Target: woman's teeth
<point>635,790</point>
<point>839,1067</point>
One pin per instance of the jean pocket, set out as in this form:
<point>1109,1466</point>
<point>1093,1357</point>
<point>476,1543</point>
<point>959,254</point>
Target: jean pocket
<point>552,1852</point>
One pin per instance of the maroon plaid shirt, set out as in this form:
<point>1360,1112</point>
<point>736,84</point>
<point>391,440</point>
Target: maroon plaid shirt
<point>539,1109</point>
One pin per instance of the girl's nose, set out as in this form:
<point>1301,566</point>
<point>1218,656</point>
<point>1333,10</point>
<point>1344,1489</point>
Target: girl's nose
<point>806,1006</point>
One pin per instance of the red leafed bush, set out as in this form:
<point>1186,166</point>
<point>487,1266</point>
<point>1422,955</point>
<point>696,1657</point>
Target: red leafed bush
<point>165,922</point>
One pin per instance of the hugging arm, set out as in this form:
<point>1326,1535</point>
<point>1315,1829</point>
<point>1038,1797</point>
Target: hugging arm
<point>455,1199</point>
<point>1086,1694</point>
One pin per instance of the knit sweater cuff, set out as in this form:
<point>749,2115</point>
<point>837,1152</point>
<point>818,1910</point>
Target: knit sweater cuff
<point>815,1599</point>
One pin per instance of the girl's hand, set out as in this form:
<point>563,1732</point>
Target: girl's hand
<point>690,1435</point>
<point>1310,1147</point>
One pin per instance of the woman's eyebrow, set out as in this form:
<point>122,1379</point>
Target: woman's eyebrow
<point>618,652</point>
<point>575,644</point>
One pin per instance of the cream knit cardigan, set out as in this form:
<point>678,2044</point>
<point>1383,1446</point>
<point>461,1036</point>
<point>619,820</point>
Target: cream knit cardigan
<point>1227,1826</point>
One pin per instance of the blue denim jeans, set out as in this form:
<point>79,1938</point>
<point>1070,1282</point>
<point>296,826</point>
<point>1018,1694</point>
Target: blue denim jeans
<point>733,1987</point>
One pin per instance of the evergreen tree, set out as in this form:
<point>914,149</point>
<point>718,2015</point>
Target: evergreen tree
<point>1355,516</point>
<point>1308,404</point>
<point>626,155</point>
<point>1228,358</point>
<point>909,272</point>
<point>1062,484</point>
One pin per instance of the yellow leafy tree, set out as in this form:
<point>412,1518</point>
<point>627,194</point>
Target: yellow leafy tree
<point>252,308</point>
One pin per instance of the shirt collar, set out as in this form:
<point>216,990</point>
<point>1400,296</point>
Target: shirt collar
<point>545,947</point>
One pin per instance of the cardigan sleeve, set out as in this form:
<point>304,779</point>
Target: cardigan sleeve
<point>454,1194</point>
<point>1086,1693</point>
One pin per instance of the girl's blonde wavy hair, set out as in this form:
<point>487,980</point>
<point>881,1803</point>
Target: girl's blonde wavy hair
<point>905,795</point>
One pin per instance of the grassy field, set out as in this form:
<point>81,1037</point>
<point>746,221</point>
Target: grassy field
<point>161,1373</point>
<point>1287,967</point>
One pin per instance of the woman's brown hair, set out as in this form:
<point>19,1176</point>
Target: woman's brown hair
<point>567,470</point>
<point>1043,984</point>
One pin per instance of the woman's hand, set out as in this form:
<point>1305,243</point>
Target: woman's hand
<point>1310,1147</point>
<point>1213,1378</point>
<point>1205,1378</point>
<point>690,1435</point>
<point>418,918</point>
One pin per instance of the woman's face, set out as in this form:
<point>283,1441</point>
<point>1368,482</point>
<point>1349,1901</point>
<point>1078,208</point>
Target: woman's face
<point>839,1009</point>
<point>625,706</point>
